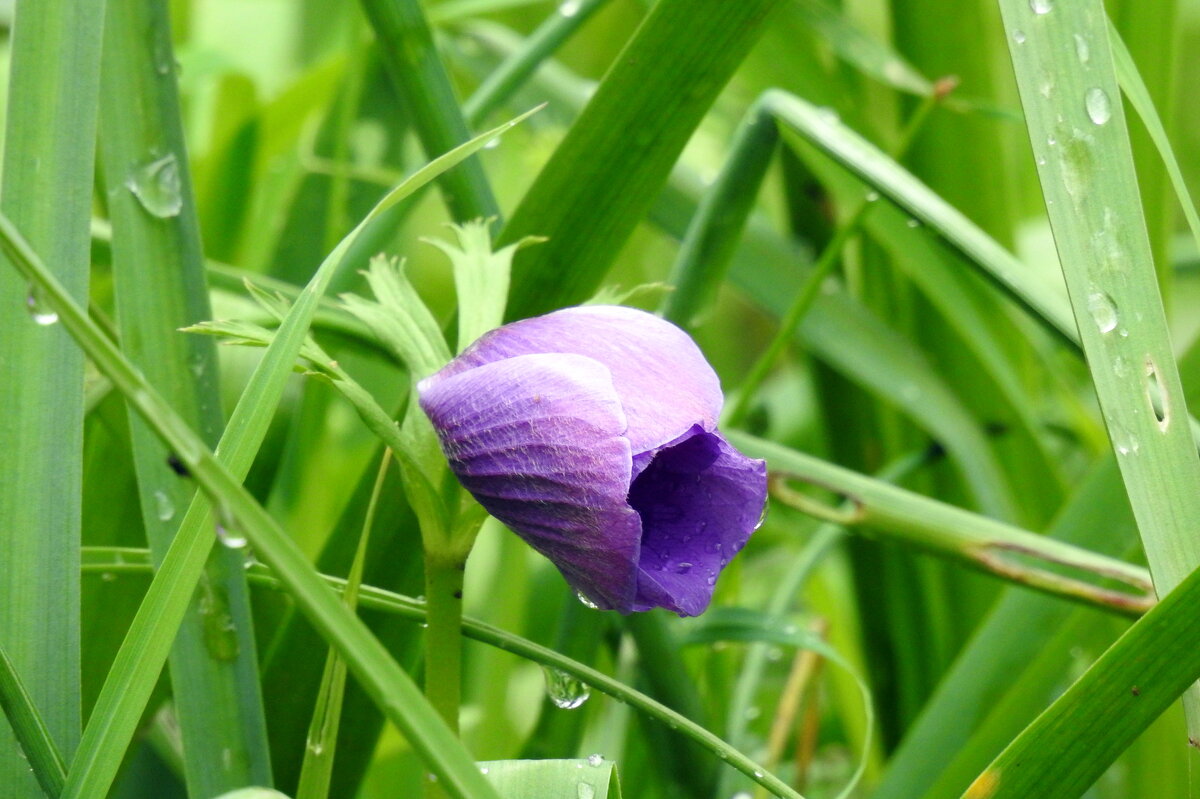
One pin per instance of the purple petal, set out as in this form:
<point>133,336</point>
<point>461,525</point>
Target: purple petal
<point>537,439</point>
<point>663,380</point>
<point>699,501</point>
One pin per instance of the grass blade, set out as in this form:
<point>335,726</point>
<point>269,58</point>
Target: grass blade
<point>1085,163</point>
<point>978,541</point>
<point>49,150</point>
<point>406,42</point>
<point>608,170</point>
<point>316,773</point>
<point>158,269</point>
<point>119,560</point>
<point>32,736</point>
<point>145,648</point>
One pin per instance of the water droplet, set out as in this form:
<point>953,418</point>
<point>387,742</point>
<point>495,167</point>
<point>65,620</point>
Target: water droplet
<point>758,774</point>
<point>564,691</point>
<point>741,795</point>
<point>682,568</point>
<point>587,603</point>
<point>1040,6</point>
<point>1099,107</point>
<point>1081,49</point>
<point>492,144</point>
<point>39,312</point>
<point>157,187</point>
<point>1103,311</point>
<point>483,769</point>
<point>164,506</point>
<point>108,577</point>
<point>1019,37</point>
<point>595,760</point>
<point>569,8</point>
<point>230,539</point>
<point>872,196</point>
<point>431,777</point>
<point>913,222</point>
<point>1120,367</point>
<point>316,746</point>
<point>585,791</point>
<point>1050,140</point>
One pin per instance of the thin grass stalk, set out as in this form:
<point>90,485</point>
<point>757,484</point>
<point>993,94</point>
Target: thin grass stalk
<point>316,773</point>
<point>106,560</point>
<point>1077,130</point>
<point>512,73</point>
<point>49,151</point>
<point>977,541</point>
<point>158,271</point>
<point>829,258</point>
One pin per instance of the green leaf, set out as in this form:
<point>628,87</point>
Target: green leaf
<point>158,275</point>
<point>608,170</point>
<point>421,80</point>
<point>1085,163</point>
<point>33,738</point>
<point>481,278</point>
<point>141,657</point>
<point>48,167</point>
<point>400,319</point>
<point>592,778</point>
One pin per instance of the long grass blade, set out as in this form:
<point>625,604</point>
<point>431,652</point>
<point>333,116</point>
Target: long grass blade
<point>1077,130</point>
<point>421,79</point>
<point>49,150</point>
<point>606,173</point>
<point>146,645</point>
<point>158,269</point>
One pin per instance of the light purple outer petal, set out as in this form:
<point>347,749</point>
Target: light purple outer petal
<point>537,439</point>
<point>663,380</point>
<point>699,501</point>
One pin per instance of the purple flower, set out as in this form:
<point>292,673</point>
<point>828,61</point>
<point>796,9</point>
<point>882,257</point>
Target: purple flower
<point>591,432</point>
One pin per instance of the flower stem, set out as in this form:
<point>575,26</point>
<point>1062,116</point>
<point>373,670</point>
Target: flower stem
<point>443,640</point>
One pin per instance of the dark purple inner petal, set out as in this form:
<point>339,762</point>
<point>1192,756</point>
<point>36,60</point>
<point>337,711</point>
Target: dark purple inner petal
<point>699,500</point>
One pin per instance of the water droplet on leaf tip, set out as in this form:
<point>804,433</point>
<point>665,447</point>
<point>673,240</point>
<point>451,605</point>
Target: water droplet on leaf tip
<point>595,760</point>
<point>1098,105</point>
<point>157,187</point>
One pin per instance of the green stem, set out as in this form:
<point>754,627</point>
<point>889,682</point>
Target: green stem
<point>443,640</point>
<point>825,264</point>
